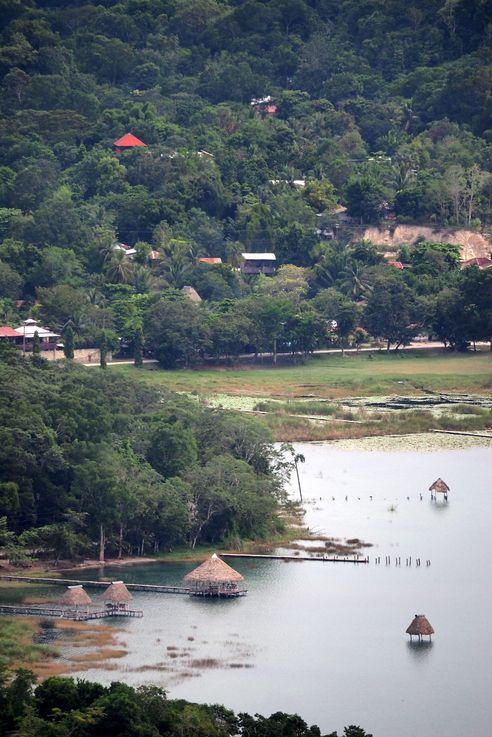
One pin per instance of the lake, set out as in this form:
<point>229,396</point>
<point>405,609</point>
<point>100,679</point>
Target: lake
<point>327,640</point>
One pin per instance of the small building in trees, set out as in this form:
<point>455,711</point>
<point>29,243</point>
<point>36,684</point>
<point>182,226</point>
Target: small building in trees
<point>127,250</point>
<point>154,256</point>
<point>264,105</point>
<point>483,262</point>
<point>9,335</point>
<point>420,627</point>
<point>215,578</point>
<point>116,595</point>
<point>191,293</point>
<point>258,263</point>
<point>211,260</point>
<point>126,143</point>
<point>26,332</point>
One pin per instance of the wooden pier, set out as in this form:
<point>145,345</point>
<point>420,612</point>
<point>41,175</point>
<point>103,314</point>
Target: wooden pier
<point>320,559</point>
<point>34,610</point>
<point>156,588</point>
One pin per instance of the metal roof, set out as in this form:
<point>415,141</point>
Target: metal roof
<point>259,256</point>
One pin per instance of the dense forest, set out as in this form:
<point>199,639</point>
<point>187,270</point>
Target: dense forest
<point>62,707</point>
<point>91,464</point>
<point>379,108</point>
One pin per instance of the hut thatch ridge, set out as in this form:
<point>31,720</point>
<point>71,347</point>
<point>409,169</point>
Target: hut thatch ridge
<point>439,485</point>
<point>117,593</point>
<point>420,625</point>
<point>214,570</point>
<point>75,596</point>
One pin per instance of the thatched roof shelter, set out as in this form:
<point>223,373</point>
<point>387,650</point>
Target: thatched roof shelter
<point>75,596</point>
<point>214,578</point>
<point>117,593</point>
<point>214,570</point>
<point>420,626</point>
<point>440,486</point>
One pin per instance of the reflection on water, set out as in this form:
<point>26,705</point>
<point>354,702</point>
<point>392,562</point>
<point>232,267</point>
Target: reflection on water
<point>339,629</point>
<point>439,507</point>
<point>420,650</point>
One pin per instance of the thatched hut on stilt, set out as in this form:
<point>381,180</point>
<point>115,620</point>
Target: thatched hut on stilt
<point>117,595</point>
<point>215,578</point>
<point>439,487</point>
<point>420,627</point>
<point>75,597</point>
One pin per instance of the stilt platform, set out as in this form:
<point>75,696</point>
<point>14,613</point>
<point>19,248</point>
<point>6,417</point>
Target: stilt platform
<point>224,595</point>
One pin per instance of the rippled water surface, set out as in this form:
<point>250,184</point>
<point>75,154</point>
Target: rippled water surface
<point>328,640</point>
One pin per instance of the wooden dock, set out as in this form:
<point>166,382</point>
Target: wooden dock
<point>34,610</point>
<point>152,587</point>
<point>156,588</point>
<point>326,559</point>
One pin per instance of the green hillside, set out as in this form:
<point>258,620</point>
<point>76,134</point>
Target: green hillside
<point>260,120</point>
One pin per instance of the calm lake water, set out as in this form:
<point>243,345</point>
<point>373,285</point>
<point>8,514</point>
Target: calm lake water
<point>328,640</point>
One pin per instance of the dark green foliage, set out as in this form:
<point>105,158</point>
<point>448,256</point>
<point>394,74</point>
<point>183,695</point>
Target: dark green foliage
<point>87,458</point>
<point>391,311</point>
<point>103,350</point>
<point>68,343</point>
<point>60,707</point>
<point>138,348</point>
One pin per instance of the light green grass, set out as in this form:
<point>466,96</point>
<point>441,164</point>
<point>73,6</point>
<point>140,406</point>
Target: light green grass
<point>332,377</point>
<point>17,642</point>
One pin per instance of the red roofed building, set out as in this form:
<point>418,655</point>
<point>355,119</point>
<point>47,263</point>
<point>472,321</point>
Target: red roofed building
<point>395,264</point>
<point>127,142</point>
<point>481,261</point>
<point>9,335</point>
<point>209,260</point>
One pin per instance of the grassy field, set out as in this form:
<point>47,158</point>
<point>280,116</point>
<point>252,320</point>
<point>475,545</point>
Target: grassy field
<point>17,643</point>
<point>334,377</point>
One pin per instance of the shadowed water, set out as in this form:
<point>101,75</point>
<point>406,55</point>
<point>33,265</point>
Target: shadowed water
<point>328,640</point>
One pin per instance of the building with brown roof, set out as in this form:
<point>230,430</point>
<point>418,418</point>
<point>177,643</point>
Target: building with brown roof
<point>75,597</point>
<point>420,627</point>
<point>440,487</point>
<point>483,262</point>
<point>215,578</point>
<point>116,595</point>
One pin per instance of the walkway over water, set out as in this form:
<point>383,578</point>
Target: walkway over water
<point>99,584</point>
<point>34,610</point>
<point>155,588</point>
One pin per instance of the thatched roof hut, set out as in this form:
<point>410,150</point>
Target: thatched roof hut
<point>117,594</point>
<point>75,596</point>
<point>420,626</point>
<point>214,578</point>
<point>440,486</point>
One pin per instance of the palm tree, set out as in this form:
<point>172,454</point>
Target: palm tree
<point>176,264</point>
<point>355,280</point>
<point>142,279</point>
<point>331,267</point>
<point>119,268</point>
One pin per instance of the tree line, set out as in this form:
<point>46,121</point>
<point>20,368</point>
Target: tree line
<point>63,707</point>
<point>91,464</point>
